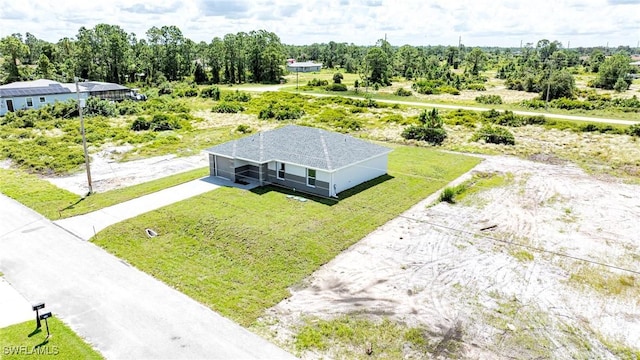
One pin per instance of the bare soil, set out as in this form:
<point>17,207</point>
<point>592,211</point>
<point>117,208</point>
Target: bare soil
<point>518,289</point>
<point>107,173</point>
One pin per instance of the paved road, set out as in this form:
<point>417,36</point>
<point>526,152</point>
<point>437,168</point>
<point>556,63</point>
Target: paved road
<point>123,312</point>
<point>87,225</point>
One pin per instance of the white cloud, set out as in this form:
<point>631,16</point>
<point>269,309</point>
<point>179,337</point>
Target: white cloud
<point>416,22</point>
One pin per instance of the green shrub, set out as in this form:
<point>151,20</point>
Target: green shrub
<point>244,129</point>
<point>281,112</point>
<point>403,92</point>
<point>430,118</point>
<point>228,108</point>
<point>331,115</point>
<point>128,107</point>
<point>494,135</point>
<point>348,124</point>
<point>239,96</point>
<point>489,99</point>
<point>316,82</point>
<point>164,122</point>
<point>467,118</point>
<point>394,118</point>
<point>165,88</point>
<point>140,124</point>
<point>434,136</point>
<point>337,78</point>
<point>65,109</point>
<point>533,104</point>
<point>476,87</point>
<point>449,90</point>
<point>449,193</point>
<point>211,92</point>
<point>98,107</point>
<point>336,87</point>
<point>634,130</point>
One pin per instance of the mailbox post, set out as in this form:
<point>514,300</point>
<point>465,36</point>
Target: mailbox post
<point>44,317</point>
<point>36,307</point>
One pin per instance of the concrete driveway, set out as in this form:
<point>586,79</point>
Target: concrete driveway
<point>87,225</point>
<point>121,311</point>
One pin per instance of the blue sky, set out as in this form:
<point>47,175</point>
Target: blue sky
<point>362,22</point>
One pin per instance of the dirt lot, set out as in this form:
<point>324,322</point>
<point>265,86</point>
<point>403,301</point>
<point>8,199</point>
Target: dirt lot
<point>108,174</point>
<point>434,268</point>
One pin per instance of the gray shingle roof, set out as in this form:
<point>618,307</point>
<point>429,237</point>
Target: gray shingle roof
<point>301,145</point>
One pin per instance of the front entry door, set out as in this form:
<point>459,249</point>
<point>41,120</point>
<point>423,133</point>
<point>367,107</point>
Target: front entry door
<point>10,105</point>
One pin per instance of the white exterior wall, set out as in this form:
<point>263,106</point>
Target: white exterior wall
<point>20,102</point>
<point>357,174</point>
<point>322,176</point>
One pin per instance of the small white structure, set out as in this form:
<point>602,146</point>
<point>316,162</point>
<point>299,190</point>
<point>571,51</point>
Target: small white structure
<point>303,158</point>
<point>307,66</point>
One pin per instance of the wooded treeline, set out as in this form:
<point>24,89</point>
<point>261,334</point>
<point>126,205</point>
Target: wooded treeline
<point>108,53</point>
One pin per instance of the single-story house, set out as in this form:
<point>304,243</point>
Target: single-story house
<point>34,94</point>
<point>306,66</point>
<point>302,158</point>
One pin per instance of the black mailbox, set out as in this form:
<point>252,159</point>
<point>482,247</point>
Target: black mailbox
<point>45,316</point>
<point>37,306</point>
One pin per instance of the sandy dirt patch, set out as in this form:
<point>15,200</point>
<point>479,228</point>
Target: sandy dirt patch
<point>108,174</point>
<point>433,267</point>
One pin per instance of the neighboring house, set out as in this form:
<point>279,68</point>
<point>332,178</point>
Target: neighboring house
<point>33,95</point>
<point>302,158</point>
<point>307,66</point>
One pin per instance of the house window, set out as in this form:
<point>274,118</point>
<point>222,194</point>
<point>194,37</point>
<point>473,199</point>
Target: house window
<point>29,102</point>
<point>280,174</point>
<point>311,177</point>
<point>42,100</point>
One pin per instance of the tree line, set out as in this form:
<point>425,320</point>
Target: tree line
<point>108,53</point>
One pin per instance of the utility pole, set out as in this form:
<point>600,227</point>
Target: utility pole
<point>84,140</point>
<point>546,106</point>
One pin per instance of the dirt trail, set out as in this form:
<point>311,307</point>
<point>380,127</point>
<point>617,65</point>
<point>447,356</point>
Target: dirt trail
<point>108,174</point>
<point>433,267</point>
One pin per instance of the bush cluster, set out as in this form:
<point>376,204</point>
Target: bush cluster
<point>211,92</point>
<point>489,99</point>
<point>159,122</point>
<point>634,130</point>
<point>430,129</point>
<point>317,82</point>
<point>402,92</point>
<point>225,107</point>
<point>239,96</point>
<point>494,135</point>
<point>476,87</point>
<point>336,87</point>
<point>281,111</point>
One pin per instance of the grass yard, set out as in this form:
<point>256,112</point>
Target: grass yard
<point>56,203</point>
<point>239,251</point>
<point>21,342</point>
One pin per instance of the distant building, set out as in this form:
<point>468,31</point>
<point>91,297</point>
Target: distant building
<point>35,94</point>
<point>306,66</point>
<point>23,95</point>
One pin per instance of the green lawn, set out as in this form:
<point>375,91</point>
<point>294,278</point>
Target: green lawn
<point>238,251</point>
<point>21,342</point>
<point>55,203</point>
